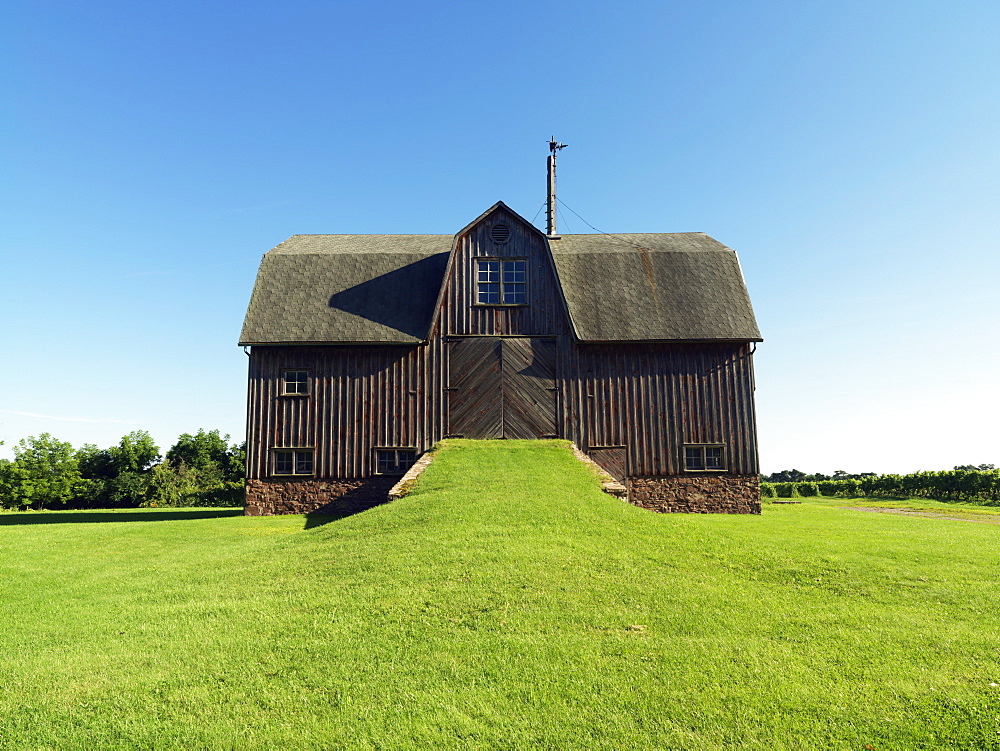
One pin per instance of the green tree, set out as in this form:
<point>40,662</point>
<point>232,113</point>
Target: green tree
<point>136,452</point>
<point>787,475</point>
<point>202,469</point>
<point>208,451</point>
<point>117,476</point>
<point>7,483</point>
<point>174,485</point>
<point>132,461</point>
<point>45,473</point>
<point>98,470</point>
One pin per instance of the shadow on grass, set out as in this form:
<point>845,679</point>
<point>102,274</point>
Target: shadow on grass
<point>366,494</point>
<point>98,517</point>
<point>316,519</point>
<point>319,518</point>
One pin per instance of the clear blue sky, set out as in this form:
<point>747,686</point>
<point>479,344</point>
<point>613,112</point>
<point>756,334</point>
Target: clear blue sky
<point>849,151</point>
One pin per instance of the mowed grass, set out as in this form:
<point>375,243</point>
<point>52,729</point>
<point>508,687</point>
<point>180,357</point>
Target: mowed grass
<point>505,603</point>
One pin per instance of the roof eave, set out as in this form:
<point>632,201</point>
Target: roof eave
<point>738,340</point>
<point>411,343</point>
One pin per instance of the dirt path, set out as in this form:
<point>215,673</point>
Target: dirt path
<point>984,518</point>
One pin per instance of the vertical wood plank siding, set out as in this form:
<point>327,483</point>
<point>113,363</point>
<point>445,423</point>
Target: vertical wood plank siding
<point>361,397</point>
<point>648,397</point>
<point>654,398</point>
<point>545,313</point>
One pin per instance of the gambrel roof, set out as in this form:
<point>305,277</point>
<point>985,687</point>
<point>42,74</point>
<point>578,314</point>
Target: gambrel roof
<point>315,289</point>
<point>653,287</point>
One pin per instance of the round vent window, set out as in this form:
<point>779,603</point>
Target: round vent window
<point>500,233</point>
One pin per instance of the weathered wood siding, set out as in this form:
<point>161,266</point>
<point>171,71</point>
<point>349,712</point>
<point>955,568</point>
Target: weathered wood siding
<point>360,398</point>
<point>654,398</point>
<point>545,313</point>
<point>649,398</point>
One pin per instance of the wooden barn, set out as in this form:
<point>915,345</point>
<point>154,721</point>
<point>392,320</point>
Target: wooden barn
<point>367,349</point>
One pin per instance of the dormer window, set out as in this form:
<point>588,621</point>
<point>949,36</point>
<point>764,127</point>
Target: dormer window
<point>501,281</point>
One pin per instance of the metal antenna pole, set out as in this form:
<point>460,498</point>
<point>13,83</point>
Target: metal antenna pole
<point>550,203</point>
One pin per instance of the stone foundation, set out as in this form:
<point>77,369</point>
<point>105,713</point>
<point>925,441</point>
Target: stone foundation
<point>702,494</point>
<point>340,497</point>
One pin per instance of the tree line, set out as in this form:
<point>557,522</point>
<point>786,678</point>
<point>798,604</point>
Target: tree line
<point>970,483</point>
<point>201,469</point>
<point>794,475</point>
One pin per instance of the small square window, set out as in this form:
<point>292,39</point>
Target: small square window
<point>704,458</point>
<point>293,462</point>
<point>394,461</point>
<point>501,282</point>
<point>296,382</point>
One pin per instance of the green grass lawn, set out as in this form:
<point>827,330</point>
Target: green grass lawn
<point>505,603</point>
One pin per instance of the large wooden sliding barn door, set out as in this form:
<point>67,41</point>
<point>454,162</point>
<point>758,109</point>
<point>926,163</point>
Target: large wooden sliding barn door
<point>475,407</point>
<point>502,388</point>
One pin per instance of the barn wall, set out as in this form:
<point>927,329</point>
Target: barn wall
<point>654,398</point>
<point>650,398</point>
<point>360,397</point>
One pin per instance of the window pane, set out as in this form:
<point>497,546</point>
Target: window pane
<point>489,294</point>
<point>489,271</point>
<point>513,276</point>
<point>303,462</point>
<point>384,462</point>
<point>513,294</point>
<point>405,460</point>
<point>295,382</point>
<point>282,462</point>
<point>513,271</point>
<point>692,458</point>
<point>713,458</point>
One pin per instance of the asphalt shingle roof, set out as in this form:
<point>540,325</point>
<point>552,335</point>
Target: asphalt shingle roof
<point>383,288</point>
<point>641,287</point>
<point>347,288</point>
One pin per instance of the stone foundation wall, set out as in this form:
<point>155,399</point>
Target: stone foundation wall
<point>341,497</point>
<point>702,494</point>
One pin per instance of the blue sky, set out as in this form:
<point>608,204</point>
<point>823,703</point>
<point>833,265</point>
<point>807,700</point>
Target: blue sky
<point>849,151</point>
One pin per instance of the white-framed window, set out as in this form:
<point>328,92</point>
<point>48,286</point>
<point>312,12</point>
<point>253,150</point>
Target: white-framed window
<point>295,382</point>
<point>501,281</point>
<point>394,461</point>
<point>704,457</point>
<point>292,462</point>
